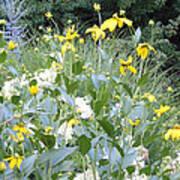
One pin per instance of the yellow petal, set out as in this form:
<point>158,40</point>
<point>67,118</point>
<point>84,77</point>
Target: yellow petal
<point>13,163</point>
<point>19,161</point>
<point>122,70</point>
<point>127,21</point>
<point>132,69</point>
<point>109,24</point>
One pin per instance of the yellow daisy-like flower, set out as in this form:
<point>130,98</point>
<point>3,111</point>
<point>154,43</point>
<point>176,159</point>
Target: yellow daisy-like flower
<point>48,15</point>
<point>174,133</point>
<point>71,33</point>
<point>134,123</point>
<point>161,110</point>
<point>126,66</point>
<point>73,121</point>
<point>12,45</point>
<point>67,46</point>
<point>115,21</point>
<point>15,161</point>
<point>143,50</point>
<point>96,32</point>
<point>2,166</point>
<point>21,131</point>
<point>33,89</point>
<point>150,97</point>
<point>97,7</point>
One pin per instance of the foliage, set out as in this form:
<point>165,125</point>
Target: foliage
<point>82,116</point>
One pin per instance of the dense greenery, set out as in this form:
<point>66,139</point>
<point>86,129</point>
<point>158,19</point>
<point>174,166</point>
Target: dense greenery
<point>89,102</point>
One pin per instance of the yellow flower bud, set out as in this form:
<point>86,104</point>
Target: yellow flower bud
<point>151,22</point>
<point>97,7</point>
<point>122,12</point>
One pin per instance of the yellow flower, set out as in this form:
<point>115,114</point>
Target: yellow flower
<point>33,90</point>
<point>60,38</point>
<point>71,33</point>
<point>126,66</point>
<point>169,89</point>
<point>67,46</point>
<point>12,45</point>
<point>48,15</point>
<point>49,30</point>
<point>173,133</point>
<point>96,32</point>
<point>21,131</point>
<point>128,62</point>
<point>122,12</point>
<point>161,110</point>
<point>48,129</point>
<point>97,7</point>
<point>134,123</point>
<point>20,127</point>
<point>79,111</point>
<point>150,97</point>
<point>142,50</point>
<point>57,66</point>
<point>151,22</point>
<point>15,161</point>
<point>115,21</point>
<point>81,41</point>
<point>2,166</point>
<point>3,21</point>
<point>73,121</point>
<point>84,67</point>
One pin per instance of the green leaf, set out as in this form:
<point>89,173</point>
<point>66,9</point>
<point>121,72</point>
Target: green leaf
<point>56,155</point>
<point>3,56</point>
<point>129,158</point>
<point>1,99</point>
<point>146,170</point>
<point>27,165</point>
<point>33,82</point>
<point>108,127</point>
<point>84,144</point>
<point>15,99</point>
<point>48,140</point>
<point>95,81</point>
<point>2,42</point>
<point>130,169</point>
<point>143,80</point>
<point>77,67</point>
<point>117,147</point>
<point>128,90</point>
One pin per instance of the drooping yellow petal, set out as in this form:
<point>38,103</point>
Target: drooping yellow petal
<point>122,70</point>
<point>19,161</point>
<point>127,21</point>
<point>109,24</point>
<point>13,163</point>
<point>132,69</point>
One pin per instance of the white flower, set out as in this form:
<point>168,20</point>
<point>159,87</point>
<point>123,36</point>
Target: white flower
<point>66,131</point>
<point>88,175</point>
<point>46,78</point>
<point>82,104</point>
